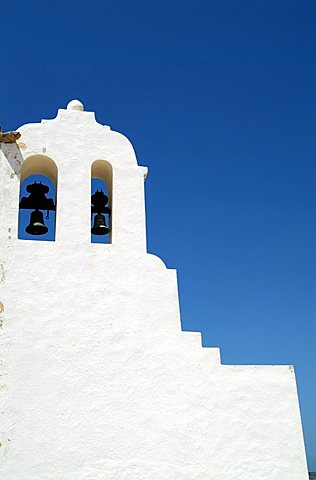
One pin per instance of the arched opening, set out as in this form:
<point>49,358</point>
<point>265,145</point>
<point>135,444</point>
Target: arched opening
<point>37,202</point>
<point>101,202</point>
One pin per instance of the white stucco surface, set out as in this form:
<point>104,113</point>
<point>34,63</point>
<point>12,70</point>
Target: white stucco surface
<point>97,380</point>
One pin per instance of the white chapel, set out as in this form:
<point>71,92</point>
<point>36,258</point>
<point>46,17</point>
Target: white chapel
<point>97,380</point>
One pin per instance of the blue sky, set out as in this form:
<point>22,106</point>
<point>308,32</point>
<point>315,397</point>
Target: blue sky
<point>219,101</point>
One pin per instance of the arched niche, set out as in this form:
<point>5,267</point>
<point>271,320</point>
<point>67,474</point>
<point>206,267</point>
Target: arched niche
<point>39,209</point>
<point>102,179</point>
<point>39,165</point>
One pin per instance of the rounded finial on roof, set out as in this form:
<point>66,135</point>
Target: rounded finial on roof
<point>75,105</point>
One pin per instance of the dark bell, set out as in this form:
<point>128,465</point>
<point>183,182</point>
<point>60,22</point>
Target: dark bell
<point>36,225</point>
<point>99,226</point>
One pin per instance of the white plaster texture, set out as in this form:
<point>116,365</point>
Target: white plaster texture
<point>97,380</point>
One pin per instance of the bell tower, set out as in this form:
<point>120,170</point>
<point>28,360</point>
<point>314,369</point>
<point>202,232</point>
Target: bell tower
<point>97,380</point>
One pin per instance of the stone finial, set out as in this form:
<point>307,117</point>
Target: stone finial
<point>75,105</point>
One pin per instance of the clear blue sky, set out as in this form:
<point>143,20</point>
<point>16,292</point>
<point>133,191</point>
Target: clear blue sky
<point>219,100</point>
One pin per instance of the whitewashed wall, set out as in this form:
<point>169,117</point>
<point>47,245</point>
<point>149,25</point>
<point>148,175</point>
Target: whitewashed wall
<point>97,380</point>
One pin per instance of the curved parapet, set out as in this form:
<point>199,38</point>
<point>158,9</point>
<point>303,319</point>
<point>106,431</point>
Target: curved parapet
<point>76,141</point>
<point>78,128</point>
